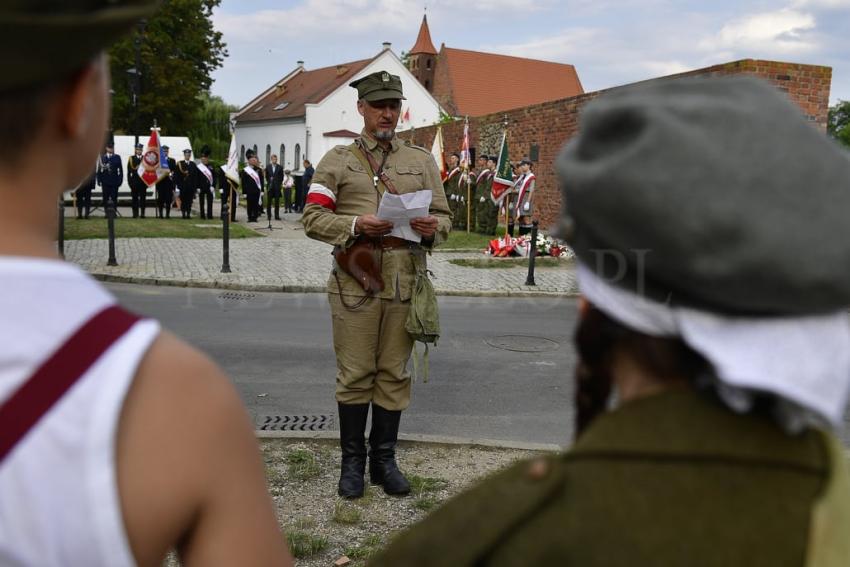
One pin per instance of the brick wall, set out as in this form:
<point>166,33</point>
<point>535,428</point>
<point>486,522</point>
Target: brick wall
<point>550,125</point>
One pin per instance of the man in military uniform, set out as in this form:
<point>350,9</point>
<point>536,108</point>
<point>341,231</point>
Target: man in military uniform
<point>165,188</point>
<point>450,185</point>
<point>729,367</point>
<point>207,182</point>
<point>274,177</point>
<point>82,195</point>
<point>371,344</point>
<point>524,189</point>
<point>138,188</point>
<point>110,175</point>
<point>187,182</point>
<point>252,185</point>
<point>484,206</point>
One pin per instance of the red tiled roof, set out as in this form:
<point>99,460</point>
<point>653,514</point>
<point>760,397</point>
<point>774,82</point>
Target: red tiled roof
<point>302,88</point>
<point>341,134</point>
<point>483,83</point>
<point>423,40</point>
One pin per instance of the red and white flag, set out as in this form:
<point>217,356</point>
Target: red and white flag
<point>154,165</point>
<point>439,155</point>
<point>406,117</point>
<point>502,181</point>
<point>464,152</point>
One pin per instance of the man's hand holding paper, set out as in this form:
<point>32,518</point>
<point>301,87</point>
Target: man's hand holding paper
<point>409,214</point>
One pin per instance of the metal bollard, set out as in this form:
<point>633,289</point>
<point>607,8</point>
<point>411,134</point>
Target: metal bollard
<point>532,253</point>
<point>61,239</point>
<point>110,225</point>
<point>225,218</point>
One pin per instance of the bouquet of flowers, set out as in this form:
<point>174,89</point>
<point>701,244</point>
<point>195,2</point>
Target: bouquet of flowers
<point>545,246</point>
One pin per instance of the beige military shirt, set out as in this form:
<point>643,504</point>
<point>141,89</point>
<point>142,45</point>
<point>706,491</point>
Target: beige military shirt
<point>342,189</point>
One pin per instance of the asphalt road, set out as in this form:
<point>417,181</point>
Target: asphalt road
<point>501,371</point>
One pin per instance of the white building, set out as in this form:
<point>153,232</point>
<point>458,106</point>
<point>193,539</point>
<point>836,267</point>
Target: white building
<point>306,113</point>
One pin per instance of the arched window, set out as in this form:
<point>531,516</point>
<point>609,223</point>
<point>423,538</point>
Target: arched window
<point>255,150</point>
<point>297,165</point>
<point>283,156</point>
<point>268,154</point>
<point>428,64</point>
<point>242,153</point>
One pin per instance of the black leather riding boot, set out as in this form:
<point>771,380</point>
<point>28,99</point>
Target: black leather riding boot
<point>383,469</point>
<point>352,441</point>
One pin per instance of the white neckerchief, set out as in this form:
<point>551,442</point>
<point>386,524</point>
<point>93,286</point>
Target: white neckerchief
<point>804,360</point>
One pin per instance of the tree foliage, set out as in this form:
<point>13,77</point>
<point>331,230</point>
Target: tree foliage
<point>178,51</point>
<point>212,126</point>
<point>838,123</point>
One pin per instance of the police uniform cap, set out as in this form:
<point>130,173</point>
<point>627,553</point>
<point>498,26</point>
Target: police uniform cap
<point>526,161</point>
<point>88,26</point>
<point>140,146</point>
<point>187,151</point>
<point>110,144</point>
<point>379,85</point>
<point>165,148</point>
<point>738,203</point>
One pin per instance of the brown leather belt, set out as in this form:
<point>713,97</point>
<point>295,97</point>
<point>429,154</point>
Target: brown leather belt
<point>393,242</point>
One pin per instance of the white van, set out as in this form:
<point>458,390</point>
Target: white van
<point>124,149</point>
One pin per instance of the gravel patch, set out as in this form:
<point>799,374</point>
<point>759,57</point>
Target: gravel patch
<point>321,527</point>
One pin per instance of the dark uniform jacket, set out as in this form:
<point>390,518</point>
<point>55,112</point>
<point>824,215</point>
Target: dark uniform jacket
<point>133,179</point>
<point>671,480</point>
<point>167,184</point>
<point>274,177</point>
<point>203,182</point>
<point>110,172</point>
<point>249,186</point>
<point>186,176</point>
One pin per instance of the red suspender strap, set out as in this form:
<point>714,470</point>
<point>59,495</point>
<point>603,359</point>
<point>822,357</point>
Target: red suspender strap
<point>58,373</point>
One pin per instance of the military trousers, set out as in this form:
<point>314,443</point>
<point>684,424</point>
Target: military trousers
<point>372,349</point>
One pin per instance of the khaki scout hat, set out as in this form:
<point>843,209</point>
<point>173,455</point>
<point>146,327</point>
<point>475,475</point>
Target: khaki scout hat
<point>378,86</point>
<point>711,193</point>
<point>49,39</point>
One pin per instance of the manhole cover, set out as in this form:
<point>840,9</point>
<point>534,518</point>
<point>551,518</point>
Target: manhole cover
<point>237,296</point>
<point>522,343</point>
<point>295,422</point>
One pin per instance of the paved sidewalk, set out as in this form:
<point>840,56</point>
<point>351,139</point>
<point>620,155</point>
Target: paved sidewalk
<point>286,261</point>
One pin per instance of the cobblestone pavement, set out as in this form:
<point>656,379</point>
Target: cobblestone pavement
<point>286,261</point>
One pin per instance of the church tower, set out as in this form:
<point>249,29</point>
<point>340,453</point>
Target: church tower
<point>422,58</point>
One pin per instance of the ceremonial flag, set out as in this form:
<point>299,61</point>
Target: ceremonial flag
<point>437,153</point>
<point>231,168</point>
<point>464,152</point>
<point>503,180</point>
<point>154,165</point>
<point>406,117</point>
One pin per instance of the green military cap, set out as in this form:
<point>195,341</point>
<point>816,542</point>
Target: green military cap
<point>713,193</point>
<point>380,85</point>
<point>49,39</point>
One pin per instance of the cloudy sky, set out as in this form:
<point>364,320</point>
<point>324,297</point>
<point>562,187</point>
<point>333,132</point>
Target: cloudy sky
<point>610,42</point>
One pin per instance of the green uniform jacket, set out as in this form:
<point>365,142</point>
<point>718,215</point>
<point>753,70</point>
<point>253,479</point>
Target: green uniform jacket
<point>342,189</point>
<point>671,480</point>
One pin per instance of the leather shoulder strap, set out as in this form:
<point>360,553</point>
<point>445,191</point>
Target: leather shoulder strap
<point>372,166</point>
<point>34,398</point>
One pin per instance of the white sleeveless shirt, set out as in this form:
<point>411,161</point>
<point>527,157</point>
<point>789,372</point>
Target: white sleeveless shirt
<point>59,501</point>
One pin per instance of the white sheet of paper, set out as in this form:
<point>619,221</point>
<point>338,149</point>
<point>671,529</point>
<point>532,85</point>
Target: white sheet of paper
<point>399,209</point>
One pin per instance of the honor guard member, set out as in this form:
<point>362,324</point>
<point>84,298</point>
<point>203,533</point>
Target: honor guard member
<point>138,188</point>
<point>371,344</point>
<point>207,182</point>
<point>731,367</point>
<point>252,185</point>
<point>474,204</point>
<point>524,189</point>
<point>82,195</point>
<point>274,177</point>
<point>450,185</point>
<point>187,183</point>
<point>486,212</point>
<point>110,175</point>
<point>165,188</point>
<point>118,441</point>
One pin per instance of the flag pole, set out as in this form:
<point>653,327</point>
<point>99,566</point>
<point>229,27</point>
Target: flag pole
<point>466,170</point>
<point>508,196</point>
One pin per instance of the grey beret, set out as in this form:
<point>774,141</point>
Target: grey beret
<point>714,193</point>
